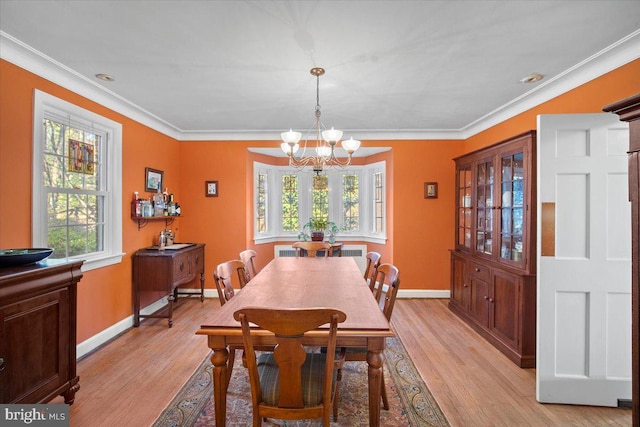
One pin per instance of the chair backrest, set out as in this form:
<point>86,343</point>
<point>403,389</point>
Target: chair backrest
<point>224,276</point>
<point>248,257</point>
<point>289,326</point>
<point>311,248</point>
<point>387,274</point>
<point>373,261</point>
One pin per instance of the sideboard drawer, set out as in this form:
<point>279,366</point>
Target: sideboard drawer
<point>181,270</point>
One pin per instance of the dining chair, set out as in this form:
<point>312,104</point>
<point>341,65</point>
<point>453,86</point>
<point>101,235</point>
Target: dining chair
<point>387,276</point>
<point>248,257</point>
<point>291,383</point>
<point>373,261</point>
<point>311,248</point>
<point>223,276</point>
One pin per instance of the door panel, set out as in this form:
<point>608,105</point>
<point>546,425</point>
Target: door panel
<point>460,289</point>
<point>37,363</point>
<point>584,304</point>
<point>479,300</point>
<point>571,216</point>
<point>504,305</point>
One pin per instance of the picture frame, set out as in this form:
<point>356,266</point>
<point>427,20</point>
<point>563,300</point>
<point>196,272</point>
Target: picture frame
<point>430,190</point>
<point>211,188</point>
<point>153,180</point>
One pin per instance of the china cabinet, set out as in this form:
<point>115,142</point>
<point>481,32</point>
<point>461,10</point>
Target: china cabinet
<point>493,262</point>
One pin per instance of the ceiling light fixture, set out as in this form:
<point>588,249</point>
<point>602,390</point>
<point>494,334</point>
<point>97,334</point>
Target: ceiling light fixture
<point>325,140</point>
<point>105,77</point>
<point>532,78</point>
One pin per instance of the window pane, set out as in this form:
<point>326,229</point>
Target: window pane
<point>72,181</point>
<point>351,202</point>
<point>378,203</point>
<point>78,236</point>
<point>261,202</point>
<point>290,203</point>
<point>320,196</point>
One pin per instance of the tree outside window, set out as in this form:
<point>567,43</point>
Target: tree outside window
<point>290,197</point>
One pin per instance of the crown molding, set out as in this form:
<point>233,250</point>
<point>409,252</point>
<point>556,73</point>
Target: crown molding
<point>24,56</point>
<point>608,59</point>
<point>363,135</point>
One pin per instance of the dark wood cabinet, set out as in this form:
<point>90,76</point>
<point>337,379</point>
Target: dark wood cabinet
<point>629,111</point>
<point>163,271</point>
<point>38,332</point>
<point>460,290</point>
<point>479,308</point>
<point>493,263</point>
<point>504,307</point>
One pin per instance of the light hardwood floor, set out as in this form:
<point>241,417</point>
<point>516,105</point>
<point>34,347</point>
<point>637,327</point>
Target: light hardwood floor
<point>132,379</point>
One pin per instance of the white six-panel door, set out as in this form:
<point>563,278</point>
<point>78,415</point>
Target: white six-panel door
<point>584,260</point>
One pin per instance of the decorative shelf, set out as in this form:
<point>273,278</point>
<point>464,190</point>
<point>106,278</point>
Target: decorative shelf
<point>144,220</point>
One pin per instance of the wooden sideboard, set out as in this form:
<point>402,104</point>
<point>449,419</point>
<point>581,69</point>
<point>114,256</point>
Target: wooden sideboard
<point>38,332</point>
<point>493,284</point>
<point>629,111</point>
<point>163,271</point>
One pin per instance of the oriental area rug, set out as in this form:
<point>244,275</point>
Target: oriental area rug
<point>410,401</point>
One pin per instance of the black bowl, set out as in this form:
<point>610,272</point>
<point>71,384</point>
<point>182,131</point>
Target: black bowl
<point>23,256</point>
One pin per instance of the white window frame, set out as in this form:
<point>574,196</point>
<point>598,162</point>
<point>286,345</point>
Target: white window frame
<point>370,216</point>
<point>48,106</point>
<point>258,169</point>
<point>274,225</point>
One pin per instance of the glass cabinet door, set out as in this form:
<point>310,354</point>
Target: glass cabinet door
<point>464,208</point>
<point>485,208</point>
<point>512,211</point>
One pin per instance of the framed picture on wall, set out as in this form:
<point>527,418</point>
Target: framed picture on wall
<point>211,188</point>
<point>153,180</point>
<point>430,190</point>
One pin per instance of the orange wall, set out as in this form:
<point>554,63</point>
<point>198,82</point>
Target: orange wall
<point>104,295</point>
<point>420,230</point>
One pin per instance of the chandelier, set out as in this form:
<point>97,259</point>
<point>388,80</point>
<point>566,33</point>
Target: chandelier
<point>325,141</point>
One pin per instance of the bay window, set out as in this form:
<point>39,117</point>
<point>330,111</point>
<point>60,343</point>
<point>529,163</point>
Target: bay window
<point>353,199</point>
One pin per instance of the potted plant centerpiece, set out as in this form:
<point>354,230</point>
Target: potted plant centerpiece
<point>317,226</point>
<point>315,229</point>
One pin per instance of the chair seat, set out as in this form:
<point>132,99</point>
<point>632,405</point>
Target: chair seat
<point>312,378</point>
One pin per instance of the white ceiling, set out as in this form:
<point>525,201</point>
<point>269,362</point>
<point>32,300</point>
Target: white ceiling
<point>396,69</point>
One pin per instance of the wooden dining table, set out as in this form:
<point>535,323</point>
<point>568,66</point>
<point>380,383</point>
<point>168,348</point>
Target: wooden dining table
<point>288,282</point>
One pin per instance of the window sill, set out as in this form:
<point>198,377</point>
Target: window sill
<point>346,238</point>
<point>99,261</point>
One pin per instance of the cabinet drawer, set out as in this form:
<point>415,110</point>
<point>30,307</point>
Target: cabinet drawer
<point>181,268</point>
<point>479,271</point>
<point>197,260</point>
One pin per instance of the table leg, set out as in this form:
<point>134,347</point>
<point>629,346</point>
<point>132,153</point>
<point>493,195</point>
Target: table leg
<point>375,359</point>
<point>219,360</point>
<point>170,299</point>
<point>202,286</point>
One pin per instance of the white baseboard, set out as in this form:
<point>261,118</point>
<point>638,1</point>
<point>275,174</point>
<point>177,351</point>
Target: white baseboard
<point>423,293</point>
<point>111,332</point>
